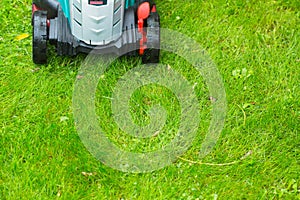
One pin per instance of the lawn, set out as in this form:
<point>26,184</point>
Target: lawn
<point>256,48</point>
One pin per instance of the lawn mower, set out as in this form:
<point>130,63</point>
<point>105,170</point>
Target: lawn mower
<point>120,27</point>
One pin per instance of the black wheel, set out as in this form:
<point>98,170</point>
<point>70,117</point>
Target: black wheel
<point>151,54</point>
<point>39,37</point>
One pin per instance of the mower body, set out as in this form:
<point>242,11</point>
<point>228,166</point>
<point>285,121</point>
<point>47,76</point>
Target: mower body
<point>104,26</point>
<point>96,22</point>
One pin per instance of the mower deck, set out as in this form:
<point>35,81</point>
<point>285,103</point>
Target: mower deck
<point>140,33</point>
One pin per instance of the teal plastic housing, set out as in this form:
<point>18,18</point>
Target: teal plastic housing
<point>66,8</point>
<point>129,3</point>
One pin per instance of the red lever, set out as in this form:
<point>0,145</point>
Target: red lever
<point>143,13</point>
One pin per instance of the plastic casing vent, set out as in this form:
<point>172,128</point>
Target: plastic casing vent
<point>96,24</point>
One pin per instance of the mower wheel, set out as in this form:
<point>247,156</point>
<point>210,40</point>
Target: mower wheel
<point>39,37</point>
<point>151,54</point>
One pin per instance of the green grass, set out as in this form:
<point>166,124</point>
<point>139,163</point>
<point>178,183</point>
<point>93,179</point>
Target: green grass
<point>255,45</point>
